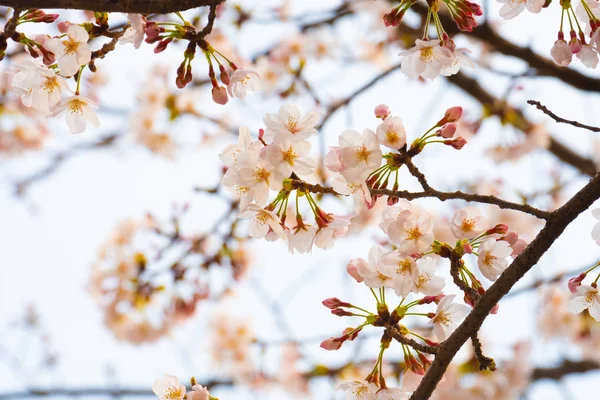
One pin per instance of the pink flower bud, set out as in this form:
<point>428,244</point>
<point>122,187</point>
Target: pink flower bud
<point>49,18</point>
<point>575,282</point>
<point>63,27</point>
<point>457,143</point>
<point>431,299</point>
<point>382,111</point>
<point>341,313</point>
<point>219,95</point>
<point>475,8</point>
<point>224,76</point>
<point>448,130</point>
<point>351,336</point>
<point>431,342</point>
<point>467,248</point>
<point>352,269</point>
<point>334,302</point>
<point>261,135</point>
<point>500,229</point>
<point>162,45</point>
<point>452,114</point>
<point>424,359</point>
<point>332,343</point>
<point>518,247</point>
<point>561,53</point>
<point>394,17</point>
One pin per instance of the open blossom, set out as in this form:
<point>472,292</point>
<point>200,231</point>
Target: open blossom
<point>263,220</point>
<point>135,33</point>
<point>359,390</point>
<point>492,257</point>
<point>287,157</point>
<point>561,53</point>
<point>426,59</point>
<point>460,59</point>
<point>359,153</point>
<point>40,87</point>
<point>359,191</point>
<point>371,271</point>
<point>395,214</point>
<point>512,8</point>
<point>301,238</point>
<point>447,317</point>
<point>168,388</point>
<point>241,81</point>
<point>427,282</point>
<point>71,51</point>
<point>326,235</point>
<point>391,394</point>
<point>403,270</point>
<point>229,155</point>
<point>391,132</point>
<point>596,228</point>
<point>468,224</point>
<point>257,174</point>
<point>588,56</point>
<point>289,125</point>
<point>198,393</point>
<point>80,110</point>
<point>412,234</point>
<point>585,297</point>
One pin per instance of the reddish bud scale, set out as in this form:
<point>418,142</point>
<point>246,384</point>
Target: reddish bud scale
<point>431,342</point>
<point>394,17</point>
<point>424,360</point>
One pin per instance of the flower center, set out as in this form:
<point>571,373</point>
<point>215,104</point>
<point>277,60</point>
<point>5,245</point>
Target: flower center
<point>443,318</point>
<point>423,279</point>
<point>362,154</point>
<point>260,174</point>
<point>403,267</point>
<point>50,84</point>
<point>413,234</point>
<point>467,225</point>
<point>76,106</point>
<point>173,394</point>
<point>71,46</point>
<point>392,137</point>
<point>360,391</point>
<point>292,123</point>
<point>588,300</point>
<point>246,79</point>
<point>426,54</point>
<point>289,156</point>
<point>488,259</point>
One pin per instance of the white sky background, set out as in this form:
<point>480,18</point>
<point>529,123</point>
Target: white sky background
<point>49,239</point>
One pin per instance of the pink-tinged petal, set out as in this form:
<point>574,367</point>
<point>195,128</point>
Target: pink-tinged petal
<point>78,34</point>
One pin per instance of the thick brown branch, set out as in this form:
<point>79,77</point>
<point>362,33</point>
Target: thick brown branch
<point>557,223</point>
<point>555,117</point>
<point>567,367</point>
<point>124,6</point>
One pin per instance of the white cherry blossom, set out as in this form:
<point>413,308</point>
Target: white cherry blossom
<point>512,8</point>
<point>359,191</point>
<point>241,81</point>
<point>39,86</point>
<point>230,153</point>
<point>135,33</point>
<point>468,223</point>
<point>447,317</point>
<point>359,153</point>
<point>492,257</point>
<point>371,271</point>
<point>198,393</point>
<point>427,282</point>
<point>301,239</point>
<point>326,235</point>
<point>403,270</point>
<point>460,59</point>
<point>359,390</point>
<point>168,388</point>
<point>426,59</point>
<point>71,51</point>
<point>412,234</point>
<point>585,298</point>
<point>289,124</point>
<point>391,132</point>
<point>395,214</point>
<point>262,221</point>
<point>287,157</point>
<point>588,56</point>
<point>391,394</point>
<point>80,111</point>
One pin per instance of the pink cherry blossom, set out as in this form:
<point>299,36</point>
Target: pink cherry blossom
<point>80,111</point>
<point>72,51</point>
<point>168,388</point>
<point>242,81</point>
<point>391,133</point>
<point>561,53</point>
<point>289,124</point>
<point>585,298</point>
<point>426,59</point>
<point>468,223</point>
<point>492,257</point>
<point>447,317</point>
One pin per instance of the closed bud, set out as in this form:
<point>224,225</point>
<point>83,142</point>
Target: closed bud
<point>457,143</point>
<point>341,313</point>
<point>162,45</point>
<point>452,114</point>
<point>500,229</point>
<point>219,95</point>
<point>448,130</point>
<point>332,343</point>
<point>224,76</point>
<point>63,27</point>
<point>334,302</point>
<point>394,17</point>
<point>575,282</point>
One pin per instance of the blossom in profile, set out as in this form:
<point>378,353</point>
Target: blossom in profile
<point>168,388</point>
<point>242,81</point>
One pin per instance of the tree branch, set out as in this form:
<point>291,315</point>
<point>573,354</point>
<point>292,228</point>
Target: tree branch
<point>556,224</point>
<point>555,117</point>
<point>123,6</point>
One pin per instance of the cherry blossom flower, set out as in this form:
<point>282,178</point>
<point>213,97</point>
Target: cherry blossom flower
<point>135,33</point>
<point>561,53</point>
<point>588,56</point>
<point>512,8</point>
<point>198,393</point>
<point>301,239</point>
<point>257,174</point>
<point>585,297</point>
<point>262,221</point>
<point>289,125</point>
<point>426,59</point>
<point>391,394</point>
<point>492,257</point>
<point>359,390</point>
<point>359,191</point>
<point>371,272</point>
<point>403,270</point>
<point>79,110</point>
<point>288,157</point>
<point>40,87</point>
<point>359,153</point>
<point>427,282</point>
<point>326,235</point>
<point>395,214</point>
<point>468,224</point>
<point>447,317</point>
<point>333,160</point>
<point>596,228</point>
<point>241,81</point>
<point>230,153</point>
<point>460,59</point>
<point>391,132</point>
<point>72,51</point>
<point>168,388</point>
<point>412,234</point>
<point>581,12</point>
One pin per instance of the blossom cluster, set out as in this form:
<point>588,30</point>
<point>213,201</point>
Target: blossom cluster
<point>169,388</point>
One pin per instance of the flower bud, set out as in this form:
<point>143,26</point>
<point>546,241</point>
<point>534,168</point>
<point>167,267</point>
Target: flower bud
<point>162,45</point>
<point>511,237</point>
<point>224,76</point>
<point>219,95</point>
<point>500,229</point>
<point>332,343</point>
<point>452,114</point>
<point>382,111</point>
<point>448,130</point>
<point>341,313</point>
<point>575,282</point>
<point>457,143</point>
<point>334,302</point>
<point>394,17</point>
<point>63,27</point>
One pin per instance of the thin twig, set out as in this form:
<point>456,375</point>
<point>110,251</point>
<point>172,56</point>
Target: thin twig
<point>555,117</point>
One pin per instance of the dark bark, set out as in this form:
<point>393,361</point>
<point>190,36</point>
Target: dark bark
<point>124,6</point>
